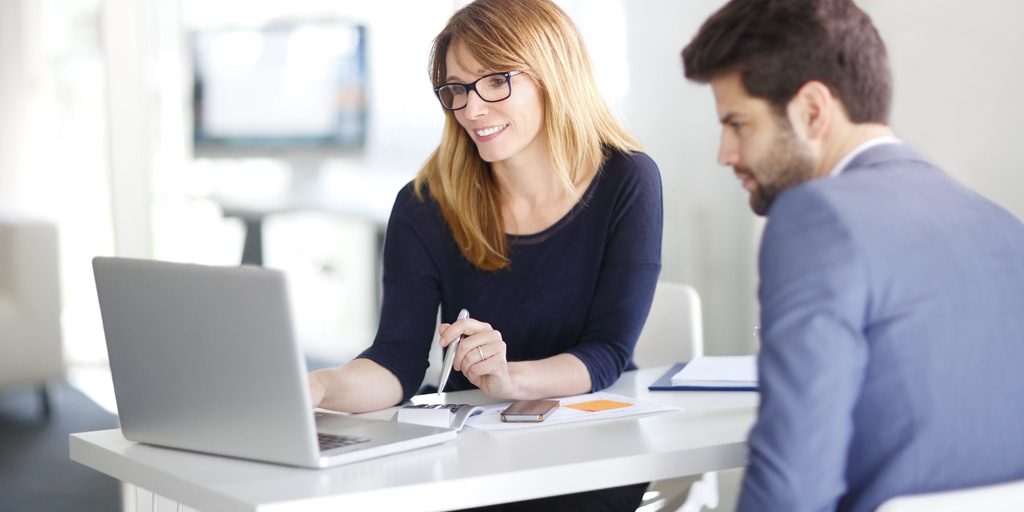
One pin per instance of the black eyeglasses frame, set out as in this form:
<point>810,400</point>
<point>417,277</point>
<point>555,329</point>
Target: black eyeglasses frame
<point>471,87</point>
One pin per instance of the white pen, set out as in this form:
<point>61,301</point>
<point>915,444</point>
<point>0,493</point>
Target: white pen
<point>449,356</point>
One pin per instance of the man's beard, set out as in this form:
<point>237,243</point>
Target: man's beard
<point>788,163</point>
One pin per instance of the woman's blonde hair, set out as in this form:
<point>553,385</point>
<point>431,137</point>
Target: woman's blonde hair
<point>539,38</point>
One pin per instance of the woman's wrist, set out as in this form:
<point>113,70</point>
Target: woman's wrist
<point>517,380</point>
<point>317,387</point>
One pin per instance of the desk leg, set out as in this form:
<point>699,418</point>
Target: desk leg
<point>45,400</point>
<point>129,499</point>
<point>137,499</point>
<point>252,249</point>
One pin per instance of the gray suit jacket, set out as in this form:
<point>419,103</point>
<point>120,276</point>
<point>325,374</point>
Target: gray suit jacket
<point>892,340</point>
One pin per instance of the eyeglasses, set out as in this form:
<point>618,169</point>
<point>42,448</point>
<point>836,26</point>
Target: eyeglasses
<point>490,88</point>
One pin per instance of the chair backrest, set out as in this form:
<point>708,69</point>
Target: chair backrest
<point>674,331</point>
<point>1007,497</point>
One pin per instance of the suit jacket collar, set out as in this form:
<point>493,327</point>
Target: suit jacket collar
<point>883,154</point>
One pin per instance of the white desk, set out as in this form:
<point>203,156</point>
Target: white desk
<point>478,468</point>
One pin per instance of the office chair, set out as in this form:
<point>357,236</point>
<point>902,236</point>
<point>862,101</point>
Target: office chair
<point>674,330</point>
<point>1006,497</point>
<point>674,333</point>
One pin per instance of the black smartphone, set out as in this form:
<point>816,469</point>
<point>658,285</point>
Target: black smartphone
<point>528,411</point>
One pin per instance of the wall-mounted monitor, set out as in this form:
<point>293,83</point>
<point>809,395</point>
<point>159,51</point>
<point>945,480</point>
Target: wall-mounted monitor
<point>286,89</point>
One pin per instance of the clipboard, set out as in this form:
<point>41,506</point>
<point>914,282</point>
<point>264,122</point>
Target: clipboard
<point>664,383</point>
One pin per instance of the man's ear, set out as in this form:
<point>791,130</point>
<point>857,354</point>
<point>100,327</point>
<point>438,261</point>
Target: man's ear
<point>811,110</point>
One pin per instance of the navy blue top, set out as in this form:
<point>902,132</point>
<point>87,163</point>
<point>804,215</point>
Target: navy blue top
<point>582,286</point>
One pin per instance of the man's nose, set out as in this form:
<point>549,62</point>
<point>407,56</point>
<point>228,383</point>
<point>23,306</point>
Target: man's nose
<point>727,150</point>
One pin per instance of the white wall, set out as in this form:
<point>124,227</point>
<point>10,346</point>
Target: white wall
<point>709,238</point>
<point>129,31</point>
<point>958,81</point>
<point>13,90</point>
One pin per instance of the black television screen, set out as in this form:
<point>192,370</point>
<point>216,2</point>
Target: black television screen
<point>279,88</point>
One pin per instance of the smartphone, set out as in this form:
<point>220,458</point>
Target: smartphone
<point>528,411</point>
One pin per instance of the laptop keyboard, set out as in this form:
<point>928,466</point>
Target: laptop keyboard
<point>330,442</point>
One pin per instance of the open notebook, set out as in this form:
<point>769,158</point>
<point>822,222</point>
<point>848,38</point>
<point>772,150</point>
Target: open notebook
<point>711,373</point>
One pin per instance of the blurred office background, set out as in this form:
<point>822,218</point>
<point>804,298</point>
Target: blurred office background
<point>99,134</point>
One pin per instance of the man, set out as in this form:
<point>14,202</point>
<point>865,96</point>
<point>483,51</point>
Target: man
<point>892,298</point>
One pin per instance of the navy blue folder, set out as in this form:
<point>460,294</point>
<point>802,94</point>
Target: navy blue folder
<point>665,383</point>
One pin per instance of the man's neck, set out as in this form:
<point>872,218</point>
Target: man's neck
<point>846,140</point>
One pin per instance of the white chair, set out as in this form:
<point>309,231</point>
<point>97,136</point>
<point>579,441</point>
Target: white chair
<point>30,333</point>
<point>674,329</point>
<point>674,333</point>
<point>1007,497</point>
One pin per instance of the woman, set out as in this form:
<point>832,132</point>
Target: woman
<point>536,213</point>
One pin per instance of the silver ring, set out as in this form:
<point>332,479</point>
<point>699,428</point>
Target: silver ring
<point>481,352</point>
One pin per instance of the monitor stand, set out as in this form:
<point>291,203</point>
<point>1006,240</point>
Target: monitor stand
<point>303,191</point>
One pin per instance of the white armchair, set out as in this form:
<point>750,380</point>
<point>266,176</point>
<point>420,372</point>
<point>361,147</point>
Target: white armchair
<point>674,333</point>
<point>1005,497</point>
<point>674,330</point>
<point>30,333</point>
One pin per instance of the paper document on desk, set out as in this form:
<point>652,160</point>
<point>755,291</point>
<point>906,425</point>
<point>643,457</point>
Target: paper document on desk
<point>591,406</point>
<point>718,371</point>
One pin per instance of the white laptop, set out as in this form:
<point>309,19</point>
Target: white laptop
<point>205,359</point>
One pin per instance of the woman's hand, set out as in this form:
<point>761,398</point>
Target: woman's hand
<point>360,385</point>
<point>480,356</point>
<point>316,389</point>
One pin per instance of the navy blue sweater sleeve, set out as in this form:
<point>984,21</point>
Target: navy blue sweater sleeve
<point>628,275</point>
<point>411,294</point>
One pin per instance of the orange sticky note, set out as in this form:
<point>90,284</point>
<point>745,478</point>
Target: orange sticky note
<point>598,405</point>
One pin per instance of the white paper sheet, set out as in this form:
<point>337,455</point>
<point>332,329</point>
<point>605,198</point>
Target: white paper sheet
<point>718,371</point>
<point>490,419</point>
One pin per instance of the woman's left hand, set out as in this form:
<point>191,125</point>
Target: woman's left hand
<point>480,356</point>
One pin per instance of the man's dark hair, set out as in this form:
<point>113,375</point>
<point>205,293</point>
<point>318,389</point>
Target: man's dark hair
<point>777,46</point>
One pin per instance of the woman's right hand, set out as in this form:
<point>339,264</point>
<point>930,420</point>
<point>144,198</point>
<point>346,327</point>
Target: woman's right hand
<point>480,356</point>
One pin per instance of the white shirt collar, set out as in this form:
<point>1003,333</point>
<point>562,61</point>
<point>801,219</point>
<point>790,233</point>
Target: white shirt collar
<point>864,146</point>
